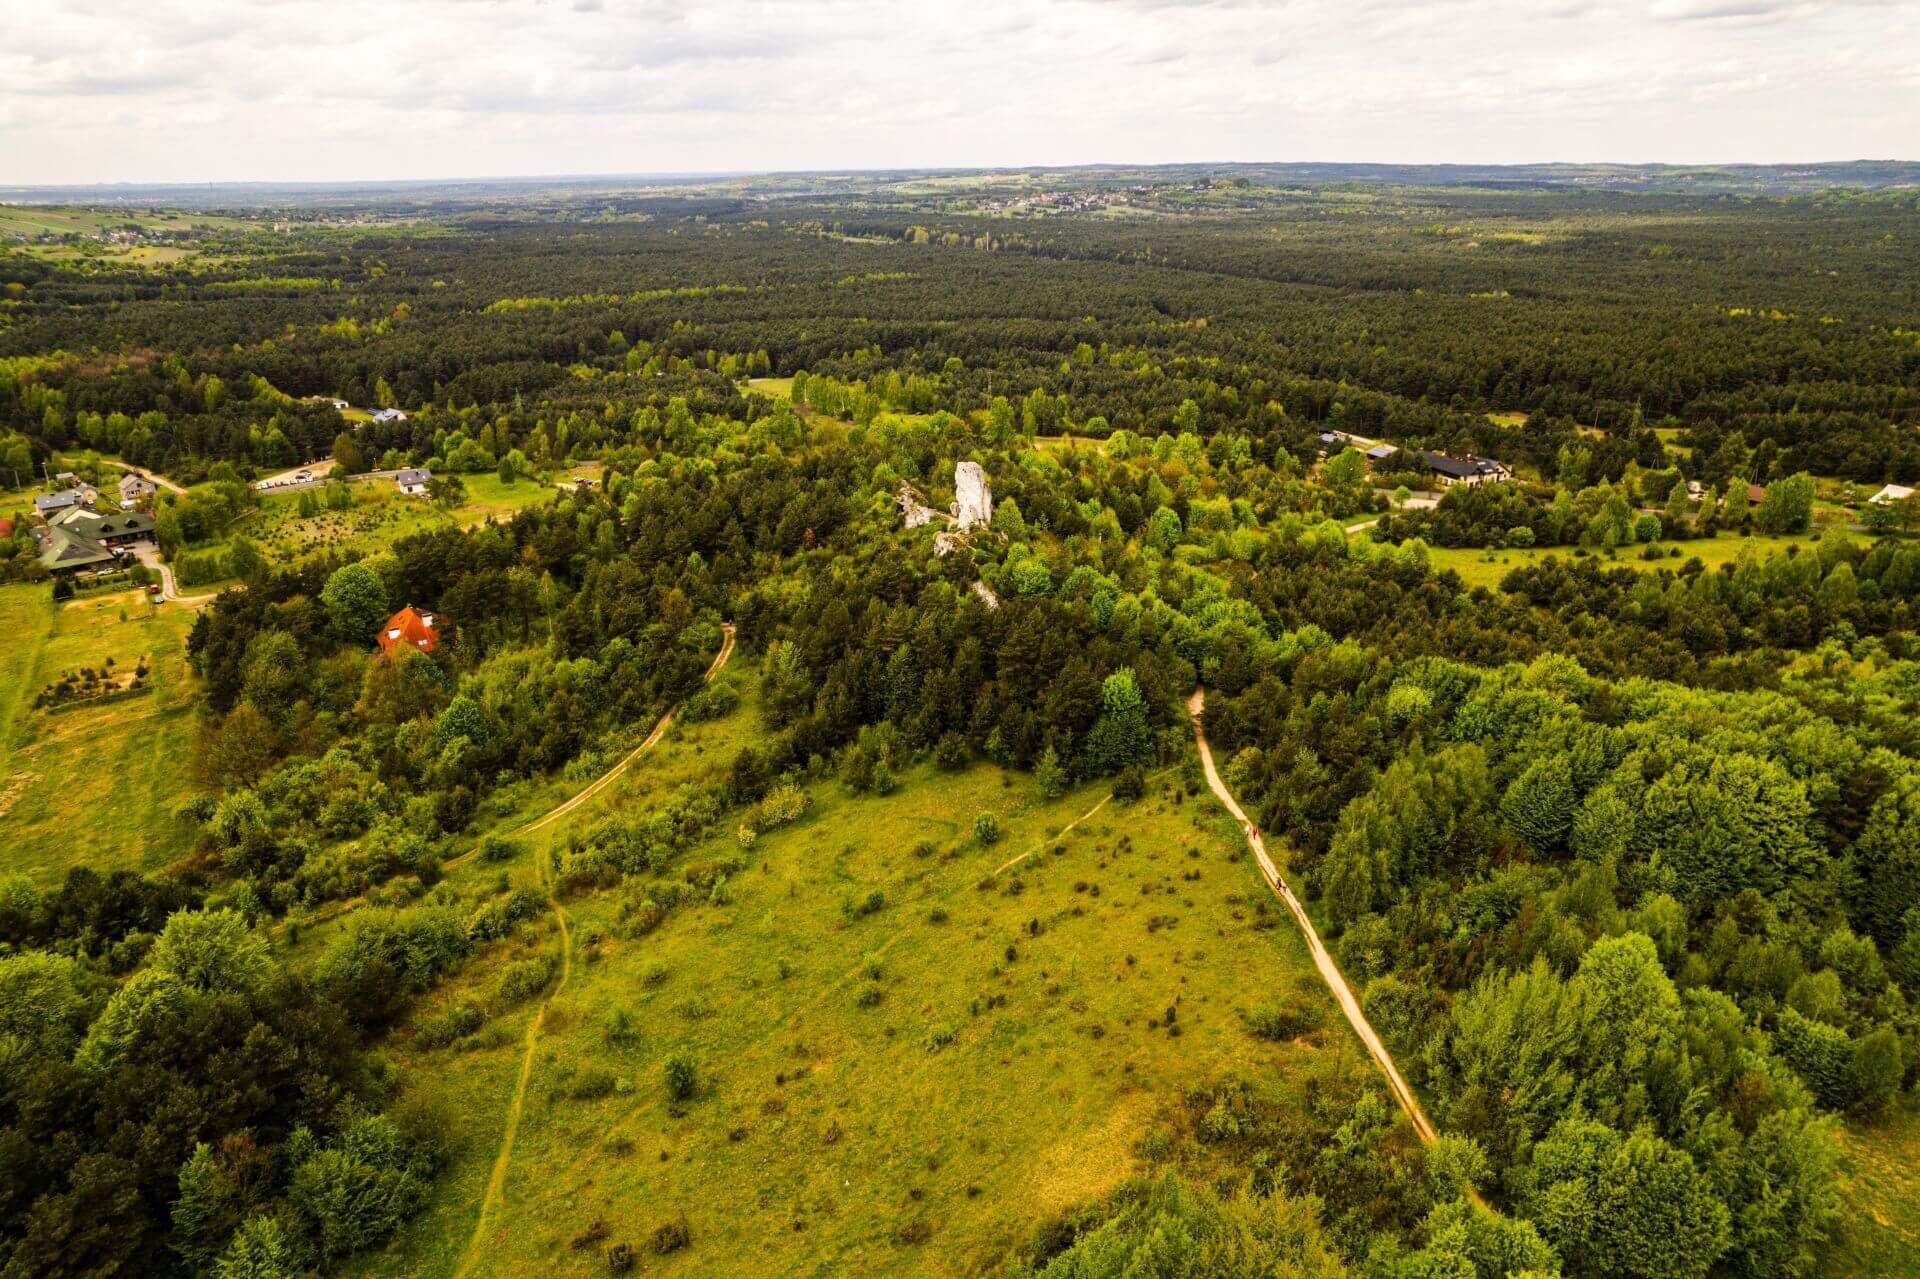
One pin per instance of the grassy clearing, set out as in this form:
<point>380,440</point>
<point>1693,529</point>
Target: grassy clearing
<point>999,1069</point>
<point>1486,568</point>
<point>379,517</point>
<point>1879,1234</point>
<point>97,784</point>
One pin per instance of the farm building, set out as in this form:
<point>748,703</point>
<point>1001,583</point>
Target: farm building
<point>1466,469</point>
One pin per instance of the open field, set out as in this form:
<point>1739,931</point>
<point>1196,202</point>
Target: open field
<point>379,517</point>
<point>1485,568</point>
<point>96,784</point>
<point>998,1070</point>
<point>1878,1235</point>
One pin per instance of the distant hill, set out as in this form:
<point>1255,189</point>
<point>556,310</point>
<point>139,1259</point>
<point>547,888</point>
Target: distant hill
<point>1707,179</point>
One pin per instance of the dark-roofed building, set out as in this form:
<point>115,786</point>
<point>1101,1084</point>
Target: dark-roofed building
<point>413,482</point>
<point>48,503</point>
<point>1466,469</point>
<point>110,528</point>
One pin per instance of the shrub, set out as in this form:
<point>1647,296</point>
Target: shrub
<point>1130,785</point>
<point>620,1258</point>
<point>938,1037</point>
<point>715,701</point>
<point>498,848</point>
<point>593,1083</point>
<point>456,1021</point>
<point>871,904</point>
<point>672,1236</point>
<point>986,829</point>
<point>951,752</point>
<point>1282,1022</point>
<point>682,1078</point>
<point>523,979</point>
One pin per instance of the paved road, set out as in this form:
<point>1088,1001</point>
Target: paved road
<point>1329,971</point>
<point>149,554</point>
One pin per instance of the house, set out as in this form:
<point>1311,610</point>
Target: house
<point>64,552</point>
<point>1467,469</point>
<point>49,503</point>
<point>1754,493</point>
<point>409,629</point>
<point>389,415</point>
<point>77,539</point>
<point>114,528</point>
<point>1890,494</point>
<point>133,488</point>
<point>1380,453</point>
<point>413,481</point>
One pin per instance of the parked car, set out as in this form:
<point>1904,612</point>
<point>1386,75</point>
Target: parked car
<point>304,475</point>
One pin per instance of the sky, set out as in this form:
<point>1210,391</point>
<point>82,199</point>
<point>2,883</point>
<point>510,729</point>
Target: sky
<point>340,90</point>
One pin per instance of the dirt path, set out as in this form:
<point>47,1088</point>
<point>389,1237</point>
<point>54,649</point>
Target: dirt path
<point>1329,971</point>
<point>607,778</point>
<point>497,1179</point>
<point>153,476</point>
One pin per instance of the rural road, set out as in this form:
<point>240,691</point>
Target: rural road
<point>497,1178</point>
<point>1329,971</point>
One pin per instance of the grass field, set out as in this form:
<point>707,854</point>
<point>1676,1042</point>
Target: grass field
<point>379,517</point>
<point>97,784</point>
<point>1001,1067</point>
<point>1879,1235</point>
<point>1486,568</point>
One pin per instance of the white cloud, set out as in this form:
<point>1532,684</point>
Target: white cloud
<point>323,89</point>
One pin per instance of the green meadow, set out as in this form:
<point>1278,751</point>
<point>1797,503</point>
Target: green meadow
<point>905,1062</point>
<point>95,784</point>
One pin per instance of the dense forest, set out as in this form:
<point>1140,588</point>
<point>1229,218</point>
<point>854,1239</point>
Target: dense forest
<point>1624,855</point>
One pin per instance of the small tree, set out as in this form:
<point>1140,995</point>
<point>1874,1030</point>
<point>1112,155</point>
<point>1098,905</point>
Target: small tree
<point>682,1078</point>
<point>986,829</point>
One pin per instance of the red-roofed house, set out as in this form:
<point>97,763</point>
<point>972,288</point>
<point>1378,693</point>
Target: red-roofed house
<point>409,628</point>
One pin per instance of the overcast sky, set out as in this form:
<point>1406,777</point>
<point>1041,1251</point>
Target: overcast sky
<point>179,90</point>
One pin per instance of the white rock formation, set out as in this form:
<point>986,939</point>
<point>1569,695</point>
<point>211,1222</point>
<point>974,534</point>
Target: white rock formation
<point>912,509</point>
<point>986,595</point>
<point>973,499</point>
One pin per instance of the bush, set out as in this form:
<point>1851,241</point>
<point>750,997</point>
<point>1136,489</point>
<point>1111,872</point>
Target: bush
<point>986,829</point>
<point>620,1258</point>
<point>672,1236</point>
<point>1282,1022</point>
<point>498,848</point>
<point>523,979</point>
<point>951,753</point>
<point>1130,785</point>
<point>715,701</point>
<point>1520,536</point>
<point>872,904</point>
<point>592,1084</point>
<point>454,1022</point>
<point>682,1077</point>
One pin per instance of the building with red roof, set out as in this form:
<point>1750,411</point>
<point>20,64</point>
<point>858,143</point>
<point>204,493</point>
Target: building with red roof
<point>409,628</point>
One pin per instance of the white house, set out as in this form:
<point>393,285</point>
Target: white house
<point>1890,494</point>
<point>389,415</point>
<point>413,482</point>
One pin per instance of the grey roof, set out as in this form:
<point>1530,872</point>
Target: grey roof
<point>1461,468</point>
<point>45,502</point>
<point>419,475</point>
<point>1379,451</point>
<point>135,484</point>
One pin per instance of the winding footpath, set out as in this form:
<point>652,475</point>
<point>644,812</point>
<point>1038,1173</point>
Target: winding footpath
<point>1329,971</point>
<point>543,864</point>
